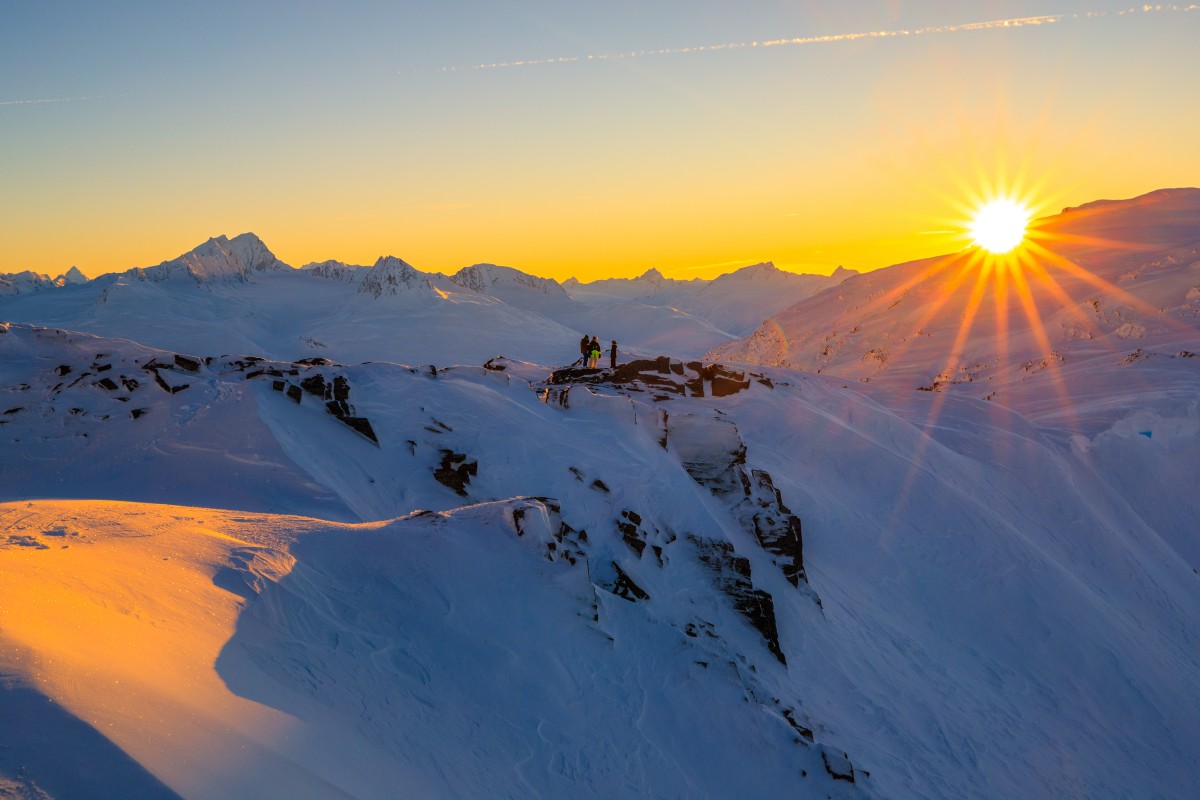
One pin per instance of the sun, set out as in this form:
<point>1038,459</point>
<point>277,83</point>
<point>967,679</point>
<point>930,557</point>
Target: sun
<point>999,225</point>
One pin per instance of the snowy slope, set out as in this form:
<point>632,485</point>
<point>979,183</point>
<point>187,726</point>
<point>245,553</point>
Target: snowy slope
<point>739,301</point>
<point>606,597</point>
<point>1107,280</point>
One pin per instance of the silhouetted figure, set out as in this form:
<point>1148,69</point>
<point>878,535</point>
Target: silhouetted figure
<point>585,344</point>
<point>612,355</point>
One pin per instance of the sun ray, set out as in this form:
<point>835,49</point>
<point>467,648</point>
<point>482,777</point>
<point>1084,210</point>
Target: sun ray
<point>1038,329</point>
<point>1091,278</point>
<point>974,302</point>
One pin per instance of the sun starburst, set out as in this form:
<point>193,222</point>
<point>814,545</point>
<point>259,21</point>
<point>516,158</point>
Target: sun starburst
<point>999,225</point>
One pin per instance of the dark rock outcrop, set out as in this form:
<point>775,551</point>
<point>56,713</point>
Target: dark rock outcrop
<point>625,587</point>
<point>189,364</point>
<point>662,375</point>
<point>455,471</point>
<point>838,765</point>
<point>713,453</point>
<point>731,575</point>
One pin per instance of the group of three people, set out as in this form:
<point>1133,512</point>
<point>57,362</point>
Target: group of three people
<point>589,347</point>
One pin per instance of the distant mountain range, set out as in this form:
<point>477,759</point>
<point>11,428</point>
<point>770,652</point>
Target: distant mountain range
<point>28,281</point>
<point>235,295</point>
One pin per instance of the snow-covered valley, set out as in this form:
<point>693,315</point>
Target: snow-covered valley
<point>420,556</point>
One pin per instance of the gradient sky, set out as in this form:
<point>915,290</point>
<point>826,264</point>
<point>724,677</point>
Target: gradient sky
<point>131,132</point>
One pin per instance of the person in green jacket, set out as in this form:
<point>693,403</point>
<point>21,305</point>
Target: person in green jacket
<point>593,353</point>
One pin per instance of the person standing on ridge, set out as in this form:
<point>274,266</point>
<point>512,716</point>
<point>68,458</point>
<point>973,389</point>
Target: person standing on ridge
<point>585,344</point>
<point>593,353</point>
<point>612,355</point>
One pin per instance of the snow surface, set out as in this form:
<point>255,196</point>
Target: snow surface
<point>227,574</point>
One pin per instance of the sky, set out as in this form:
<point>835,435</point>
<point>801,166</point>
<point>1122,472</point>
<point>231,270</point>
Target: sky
<point>691,136</point>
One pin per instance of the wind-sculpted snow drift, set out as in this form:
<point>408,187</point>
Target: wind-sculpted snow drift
<point>614,600</point>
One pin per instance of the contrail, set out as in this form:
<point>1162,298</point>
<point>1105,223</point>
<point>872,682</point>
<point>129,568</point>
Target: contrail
<point>1016,22</point>
<point>64,99</point>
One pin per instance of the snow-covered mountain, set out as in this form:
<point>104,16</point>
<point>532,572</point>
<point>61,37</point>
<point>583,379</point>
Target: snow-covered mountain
<point>218,259</point>
<point>590,584</point>
<point>515,287</point>
<point>739,301</point>
<point>735,302</point>
<point>650,288</point>
<point>1109,280</point>
<point>234,295</point>
<point>17,282</point>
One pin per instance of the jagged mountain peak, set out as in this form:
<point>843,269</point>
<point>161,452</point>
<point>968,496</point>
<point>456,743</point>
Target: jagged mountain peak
<point>71,276</point>
<point>393,262</point>
<point>218,259</point>
<point>392,276</point>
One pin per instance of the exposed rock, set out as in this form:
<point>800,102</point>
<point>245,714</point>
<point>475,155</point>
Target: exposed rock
<point>455,471</point>
<point>631,532</point>
<point>314,385</point>
<point>731,574</point>
<point>838,765</point>
<point>625,587</point>
<point>712,452</point>
<point>189,364</point>
<point>362,425</point>
<point>563,543</point>
<point>662,375</point>
<point>805,732</point>
<point>107,383</point>
<point>777,529</point>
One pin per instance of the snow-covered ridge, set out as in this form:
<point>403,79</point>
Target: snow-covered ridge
<point>1113,278</point>
<point>335,270</point>
<point>486,278</point>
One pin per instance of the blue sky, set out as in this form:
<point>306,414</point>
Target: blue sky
<point>346,130</point>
